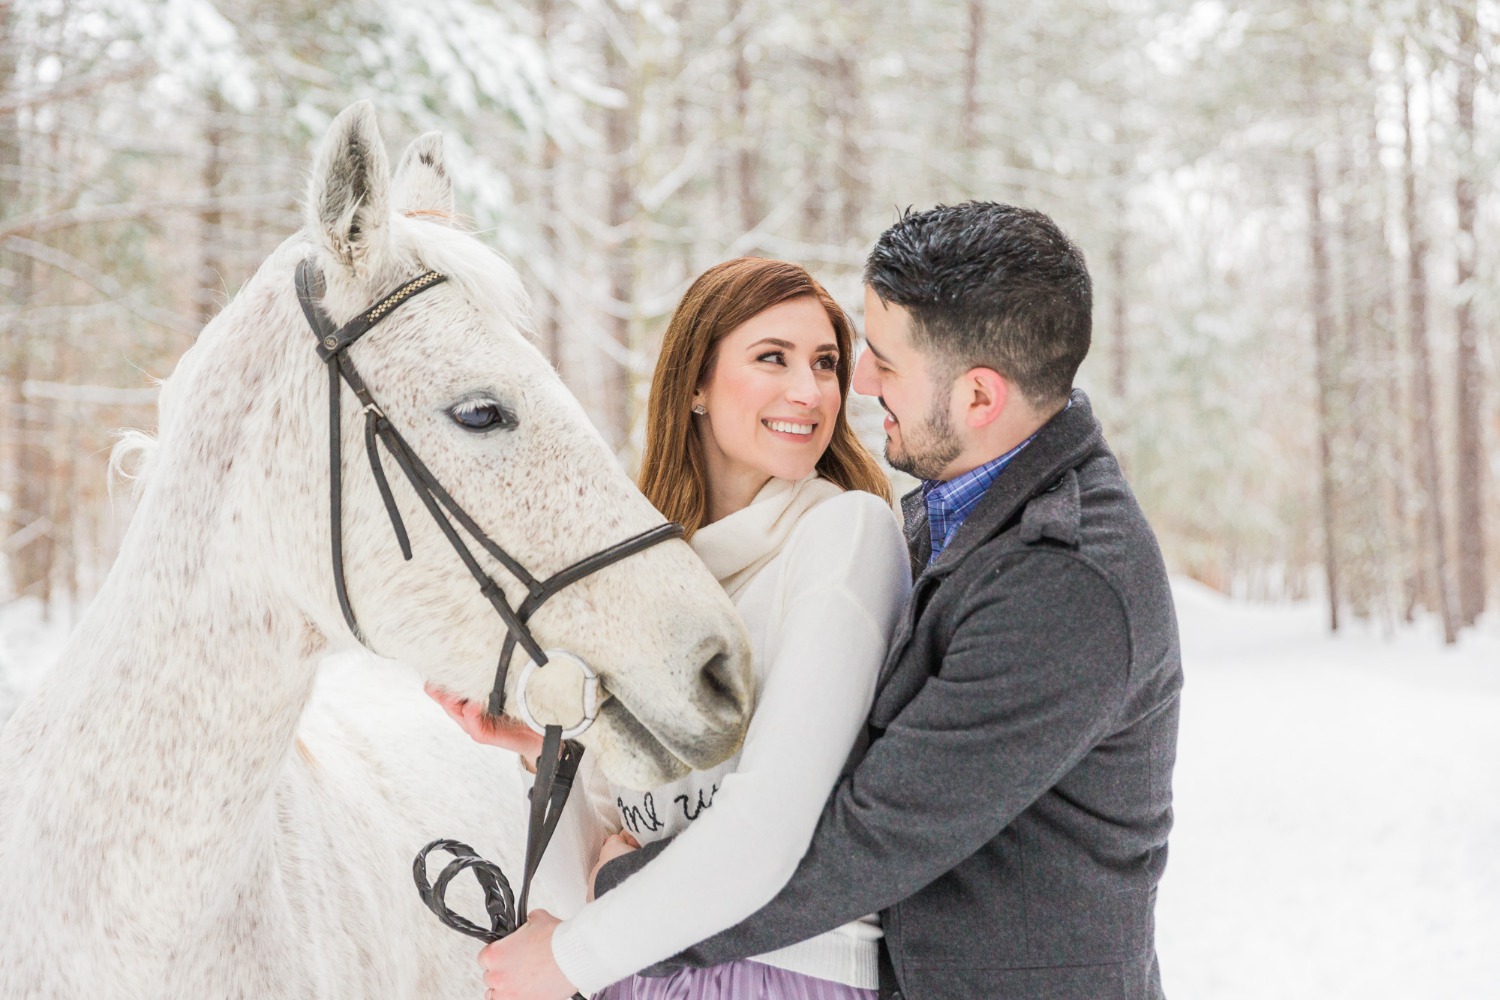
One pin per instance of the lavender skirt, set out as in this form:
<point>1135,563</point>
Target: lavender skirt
<point>745,980</point>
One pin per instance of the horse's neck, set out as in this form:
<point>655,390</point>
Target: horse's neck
<point>159,734</point>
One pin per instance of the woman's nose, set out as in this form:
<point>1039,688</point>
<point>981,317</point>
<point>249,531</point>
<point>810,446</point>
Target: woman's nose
<point>802,387</point>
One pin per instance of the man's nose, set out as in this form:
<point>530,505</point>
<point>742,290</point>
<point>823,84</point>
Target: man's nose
<point>866,380</point>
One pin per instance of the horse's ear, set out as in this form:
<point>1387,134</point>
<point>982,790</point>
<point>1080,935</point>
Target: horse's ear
<point>349,202</point>
<point>422,185</point>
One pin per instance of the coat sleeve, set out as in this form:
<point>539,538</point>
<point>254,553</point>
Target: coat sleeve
<point>1035,670</point>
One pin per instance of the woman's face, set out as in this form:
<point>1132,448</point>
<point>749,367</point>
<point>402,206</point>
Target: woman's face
<point>772,394</point>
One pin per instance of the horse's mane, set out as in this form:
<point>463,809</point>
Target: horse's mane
<point>486,279</point>
<point>130,460</point>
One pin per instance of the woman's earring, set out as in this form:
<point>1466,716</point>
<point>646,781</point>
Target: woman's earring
<point>698,409</point>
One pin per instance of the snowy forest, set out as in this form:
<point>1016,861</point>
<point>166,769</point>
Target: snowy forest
<point>1286,207</point>
<point>1289,212</point>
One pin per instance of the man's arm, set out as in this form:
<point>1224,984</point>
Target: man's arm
<point>1032,677</point>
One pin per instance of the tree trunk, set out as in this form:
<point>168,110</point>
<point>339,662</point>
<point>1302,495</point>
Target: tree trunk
<point>747,159</point>
<point>1323,351</point>
<point>1429,498</point>
<point>29,535</point>
<point>12,332</point>
<point>816,156</point>
<point>691,236</point>
<point>551,249</point>
<point>969,131</point>
<point>1121,417</point>
<point>1119,327</point>
<point>211,218</point>
<point>1468,383</point>
<point>853,176</point>
<point>1392,406</point>
<point>1366,523</point>
<point>618,135</point>
<point>63,489</point>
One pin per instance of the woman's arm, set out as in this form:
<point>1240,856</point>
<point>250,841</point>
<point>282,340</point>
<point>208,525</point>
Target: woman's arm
<point>844,580</point>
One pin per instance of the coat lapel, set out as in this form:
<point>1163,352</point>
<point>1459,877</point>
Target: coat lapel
<point>918,537</point>
<point>1061,444</point>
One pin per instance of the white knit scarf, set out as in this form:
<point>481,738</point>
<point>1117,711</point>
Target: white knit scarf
<point>736,547</point>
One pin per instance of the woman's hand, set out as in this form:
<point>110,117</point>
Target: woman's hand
<point>615,845</point>
<point>520,965</point>
<point>496,731</point>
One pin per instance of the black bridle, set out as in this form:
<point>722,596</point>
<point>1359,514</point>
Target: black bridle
<point>333,347</point>
<point>560,757</point>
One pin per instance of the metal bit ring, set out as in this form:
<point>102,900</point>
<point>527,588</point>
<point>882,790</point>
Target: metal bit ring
<point>590,693</point>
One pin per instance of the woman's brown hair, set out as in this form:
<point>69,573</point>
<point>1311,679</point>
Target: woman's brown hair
<point>673,472</point>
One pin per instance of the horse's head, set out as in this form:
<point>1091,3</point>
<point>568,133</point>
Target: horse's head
<point>486,413</point>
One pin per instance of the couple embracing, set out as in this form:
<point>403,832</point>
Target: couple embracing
<point>957,781</point>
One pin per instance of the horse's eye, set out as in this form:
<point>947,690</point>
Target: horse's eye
<point>481,415</point>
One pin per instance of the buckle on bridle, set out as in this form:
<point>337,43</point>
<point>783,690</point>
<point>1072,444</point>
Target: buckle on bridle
<point>590,693</point>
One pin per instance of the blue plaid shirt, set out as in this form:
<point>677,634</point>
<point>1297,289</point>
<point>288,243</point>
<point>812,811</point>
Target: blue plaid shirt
<point>948,503</point>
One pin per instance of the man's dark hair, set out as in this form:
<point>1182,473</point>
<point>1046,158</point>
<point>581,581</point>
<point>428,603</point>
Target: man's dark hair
<point>989,285</point>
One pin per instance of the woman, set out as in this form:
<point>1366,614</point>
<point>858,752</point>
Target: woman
<point>748,447</point>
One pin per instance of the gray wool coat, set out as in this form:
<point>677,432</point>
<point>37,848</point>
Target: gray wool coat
<point>1008,812</point>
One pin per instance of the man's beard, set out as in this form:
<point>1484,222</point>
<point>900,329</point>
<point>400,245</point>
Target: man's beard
<point>928,447</point>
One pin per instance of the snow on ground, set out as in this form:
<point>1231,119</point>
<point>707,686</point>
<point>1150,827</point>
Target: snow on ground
<point>1338,805</point>
<point>1338,812</point>
<point>29,644</point>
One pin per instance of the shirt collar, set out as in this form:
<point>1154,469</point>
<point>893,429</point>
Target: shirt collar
<point>952,492</point>
<point>949,502</point>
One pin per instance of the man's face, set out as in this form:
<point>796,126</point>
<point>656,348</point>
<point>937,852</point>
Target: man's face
<point>919,436</point>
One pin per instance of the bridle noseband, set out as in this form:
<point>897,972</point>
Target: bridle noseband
<point>560,754</point>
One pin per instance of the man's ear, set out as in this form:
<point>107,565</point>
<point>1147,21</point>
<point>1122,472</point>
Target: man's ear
<point>985,393</point>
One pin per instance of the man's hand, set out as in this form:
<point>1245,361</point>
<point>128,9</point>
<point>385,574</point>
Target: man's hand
<point>520,965</point>
<point>615,845</point>
<point>496,731</point>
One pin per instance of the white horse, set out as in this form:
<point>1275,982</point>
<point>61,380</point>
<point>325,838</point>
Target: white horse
<point>183,812</point>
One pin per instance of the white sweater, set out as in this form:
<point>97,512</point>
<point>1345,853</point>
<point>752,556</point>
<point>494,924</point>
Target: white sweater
<point>819,614</point>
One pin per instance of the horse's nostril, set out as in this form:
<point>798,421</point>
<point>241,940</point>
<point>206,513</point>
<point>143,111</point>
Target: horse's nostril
<point>723,686</point>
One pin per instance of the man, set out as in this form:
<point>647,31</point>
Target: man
<point>1008,813</point>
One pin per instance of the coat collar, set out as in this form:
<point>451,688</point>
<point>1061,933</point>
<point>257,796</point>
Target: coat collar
<point>1061,444</point>
<point>918,538</point>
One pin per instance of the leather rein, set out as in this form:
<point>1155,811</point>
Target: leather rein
<point>561,754</point>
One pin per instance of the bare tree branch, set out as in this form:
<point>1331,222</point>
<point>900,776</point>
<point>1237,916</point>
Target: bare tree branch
<point>11,103</point>
<point>99,281</point>
<point>97,395</point>
<point>84,215</point>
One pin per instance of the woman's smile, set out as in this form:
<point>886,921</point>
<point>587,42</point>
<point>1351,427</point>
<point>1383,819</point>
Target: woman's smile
<point>792,430</point>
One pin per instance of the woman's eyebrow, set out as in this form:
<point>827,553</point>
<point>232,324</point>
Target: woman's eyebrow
<point>787,345</point>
